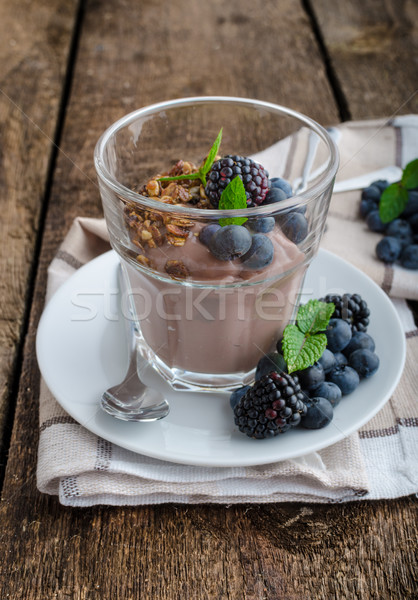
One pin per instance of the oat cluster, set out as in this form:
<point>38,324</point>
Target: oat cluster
<point>150,228</point>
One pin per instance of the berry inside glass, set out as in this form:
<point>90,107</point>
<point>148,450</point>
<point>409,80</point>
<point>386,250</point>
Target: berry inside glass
<point>215,247</point>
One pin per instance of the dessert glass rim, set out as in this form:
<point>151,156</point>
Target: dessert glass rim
<point>297,199</point>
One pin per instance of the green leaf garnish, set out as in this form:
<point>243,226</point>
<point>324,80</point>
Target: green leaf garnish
<point>314,316</point>
<point>233,197</point>
<point>392,202</point>
<point>212,155</point>
<point>302,343</point>
<point>204,169</point>
<point>410,175</point>
<point>395,197</point>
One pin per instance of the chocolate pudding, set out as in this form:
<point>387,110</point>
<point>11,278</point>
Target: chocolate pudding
<point>198,313</point>
<point>228,318</point>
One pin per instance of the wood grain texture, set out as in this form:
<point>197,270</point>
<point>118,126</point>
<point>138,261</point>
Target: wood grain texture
<point>35,41</point>
<point>373,49</point>
<point>132,54</point>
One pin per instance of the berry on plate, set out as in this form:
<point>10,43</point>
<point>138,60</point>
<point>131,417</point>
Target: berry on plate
<point>359,341</point>
<point>327,361</point>
<point>346,378</point>
<point>338,335</point>
<point>311,377</point>
<point>237,394</point>
<point>352,308</point>
<point>328,390</point>
<point>365,362</point>
<point>270,362</point>
<point>340,360</point>
<point>273,405</point>
<point>319,413</point>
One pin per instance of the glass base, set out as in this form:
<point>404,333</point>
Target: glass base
<point>190,381</point>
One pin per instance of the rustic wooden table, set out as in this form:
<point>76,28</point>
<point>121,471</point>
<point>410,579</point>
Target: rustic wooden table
<point>69,68</point>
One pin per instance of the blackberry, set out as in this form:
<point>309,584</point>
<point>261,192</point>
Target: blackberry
<point>224,170</point>
<point>351,308</point>
<point>271,406</point>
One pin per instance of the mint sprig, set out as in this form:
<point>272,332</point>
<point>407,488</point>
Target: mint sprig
<point>204,169</point>
<point>303,344</point>
<point>395,197</point>
<point>233,197</point>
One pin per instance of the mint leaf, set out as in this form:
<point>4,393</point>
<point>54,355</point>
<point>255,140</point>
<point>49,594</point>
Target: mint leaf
<point>179,177</point>
<point>410,175</point>
<point>392,202</point>
<point>302,344</point>
<point>293,342</point>
<point>201,173</point>
<point>314,316</point>
<point>233,197</point>
<point>212,155</point>
<point>300,351</point>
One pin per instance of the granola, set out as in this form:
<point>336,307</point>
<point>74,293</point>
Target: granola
<point>150,228</point>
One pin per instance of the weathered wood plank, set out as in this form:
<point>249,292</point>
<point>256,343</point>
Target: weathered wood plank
<point>372,47</point>
<point>35,42</point>
<point>132,54</point>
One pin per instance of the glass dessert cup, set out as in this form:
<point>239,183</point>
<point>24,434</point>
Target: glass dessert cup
<point>204,321</point>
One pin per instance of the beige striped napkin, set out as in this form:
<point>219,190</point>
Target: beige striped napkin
<point>378,462</point>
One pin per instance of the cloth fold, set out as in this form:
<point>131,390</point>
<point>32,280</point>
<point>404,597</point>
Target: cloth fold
<point>377,462</point>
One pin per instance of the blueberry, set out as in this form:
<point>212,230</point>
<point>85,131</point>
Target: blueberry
<point>281,184</point>
<point>319,413</point>
<point>340,359</point>
<point>274,195</point>
<point>401,229</point>
<point>374,222</point>
<point>311,377</point>
<point>365,362</point>
<point>360,341</point>
<point>338,334</point>
<point>207,232</point>
<point>389,249</point>
<point>346,378</point>
<point>330,391</point>
<point>413,221</point>
<point>262,224</point>
<point>260,253</point>
<point>229,242</point>
<point>412,205</point>
<point>409,257</point>
<point>372,192</point>
<point>294,225</point>
<point>366,206</point>
<point>237,394</point>
<point>327,360</point>
<point>300,209</point>
<point>268,363</point>
<point>382,184</point>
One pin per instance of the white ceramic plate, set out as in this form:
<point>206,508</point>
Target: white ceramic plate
<point>81,351</point>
